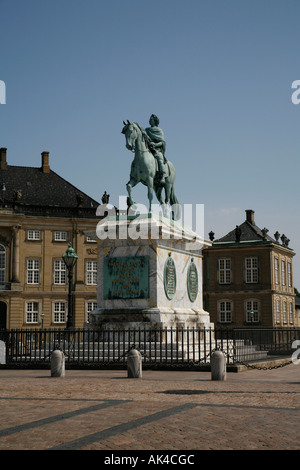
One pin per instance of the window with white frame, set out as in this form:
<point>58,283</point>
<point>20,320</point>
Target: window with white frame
<point>60,236</point>
<point>251,270</point>
<point>283,273</point>
<point>90,306</point>
<point>276,266</point>
<point>225,311</point>
<point>59,311</point>
<point>290,281</point>
<point>90,239</point>
<point>291,311</point>
<point>252,311</point>
<point>2,265</point>
<point>33,271</point>
<point>59,272</point>
<point>284,312</point>
<point>33,235</point>
<point>91,272</point>
<point>224,270</point>
<point>278,313</point>
<point>32,312</point>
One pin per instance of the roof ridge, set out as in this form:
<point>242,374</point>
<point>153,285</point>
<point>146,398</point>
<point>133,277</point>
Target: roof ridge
<point>23,166</point>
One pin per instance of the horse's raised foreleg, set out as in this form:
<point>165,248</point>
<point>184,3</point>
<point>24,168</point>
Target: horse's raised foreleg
<point>131,184</point>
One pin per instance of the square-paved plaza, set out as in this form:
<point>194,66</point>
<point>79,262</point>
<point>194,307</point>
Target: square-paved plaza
<point>163,410</point>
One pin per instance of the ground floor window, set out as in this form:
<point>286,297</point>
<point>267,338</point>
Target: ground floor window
<point>32,312</point>
<point>278,311</point>
<point>291,311</point>
<point>252,311</point>
<point>90,306</point>
<point>225,311</point>
<point>59,312</point>
<point>284,312</point>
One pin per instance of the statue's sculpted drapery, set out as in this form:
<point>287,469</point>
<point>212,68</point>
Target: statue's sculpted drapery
<point>158,142</point>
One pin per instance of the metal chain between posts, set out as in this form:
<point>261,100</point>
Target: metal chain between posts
<point>252,366</point>
<point>203,359</point>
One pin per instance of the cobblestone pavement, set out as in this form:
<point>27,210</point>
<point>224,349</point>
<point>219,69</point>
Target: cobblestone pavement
<point>163,410</point>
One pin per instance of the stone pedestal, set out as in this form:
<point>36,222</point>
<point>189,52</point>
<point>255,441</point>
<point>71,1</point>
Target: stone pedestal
<point>149,275</point>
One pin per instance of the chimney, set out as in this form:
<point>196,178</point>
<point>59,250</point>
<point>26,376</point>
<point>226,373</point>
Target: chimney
<point>45,162</point>
<point>250,216</point>
<point>3,162</point>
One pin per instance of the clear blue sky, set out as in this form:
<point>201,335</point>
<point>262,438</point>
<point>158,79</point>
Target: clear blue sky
<point>217,73</point>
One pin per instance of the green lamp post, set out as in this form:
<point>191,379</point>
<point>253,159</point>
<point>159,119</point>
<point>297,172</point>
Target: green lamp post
<point>70,259</point>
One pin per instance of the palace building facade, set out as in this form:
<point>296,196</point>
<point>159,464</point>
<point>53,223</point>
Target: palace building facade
<point>41,215</point>
<point>248,278</point>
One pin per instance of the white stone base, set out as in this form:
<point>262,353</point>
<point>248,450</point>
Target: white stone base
<point>165,239</point>
<point>149,318</point>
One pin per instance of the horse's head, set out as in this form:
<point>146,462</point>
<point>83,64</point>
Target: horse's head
<point>131,133</point>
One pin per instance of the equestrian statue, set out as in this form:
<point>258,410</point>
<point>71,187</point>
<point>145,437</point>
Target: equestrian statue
<point>150,166</point>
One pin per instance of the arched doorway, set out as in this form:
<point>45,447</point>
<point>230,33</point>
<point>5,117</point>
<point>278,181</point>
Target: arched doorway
<point>3,315</point>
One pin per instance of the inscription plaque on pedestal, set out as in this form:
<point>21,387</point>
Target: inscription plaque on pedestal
<point>192,281</point>
<point>170,278</point>
<point>126,277</point>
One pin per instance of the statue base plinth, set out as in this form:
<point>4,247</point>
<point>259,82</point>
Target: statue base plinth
<point>153,318</point>
<point>149,275</point>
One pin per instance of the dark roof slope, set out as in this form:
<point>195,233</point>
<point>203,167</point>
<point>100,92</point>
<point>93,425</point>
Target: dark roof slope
<point>31,187</point>
<point>248,232</point>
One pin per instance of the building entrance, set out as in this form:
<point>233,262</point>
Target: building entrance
<point>3,315</point>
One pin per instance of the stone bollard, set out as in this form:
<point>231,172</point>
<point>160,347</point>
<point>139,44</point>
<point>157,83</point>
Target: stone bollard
<point>218,365</point>
<point>134,364</point>
<point>57,363</point>
<point>2,352</point>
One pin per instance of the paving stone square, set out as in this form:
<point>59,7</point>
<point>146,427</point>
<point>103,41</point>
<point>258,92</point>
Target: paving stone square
<point>172,411</point>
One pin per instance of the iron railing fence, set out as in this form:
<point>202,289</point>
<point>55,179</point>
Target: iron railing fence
<point>157,346</point>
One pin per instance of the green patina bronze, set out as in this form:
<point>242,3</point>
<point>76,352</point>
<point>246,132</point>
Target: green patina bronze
<point>192,281</point>
<point>170,277</point>
<point>126,277</point>
<point>150,166</point>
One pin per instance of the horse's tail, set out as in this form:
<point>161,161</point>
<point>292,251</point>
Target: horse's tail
<point>176,207</point>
